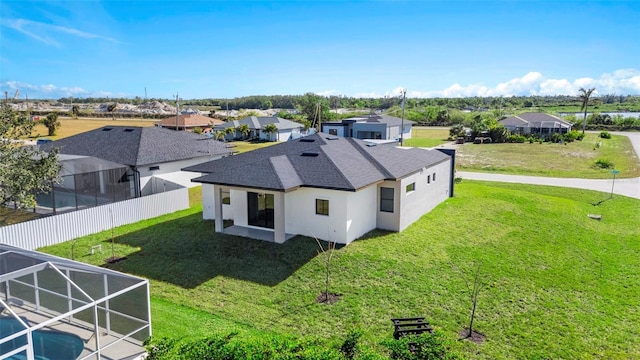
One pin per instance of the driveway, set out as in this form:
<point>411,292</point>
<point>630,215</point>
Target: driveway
<point>626,187</point>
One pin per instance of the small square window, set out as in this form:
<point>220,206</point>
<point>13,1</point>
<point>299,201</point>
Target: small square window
<point>411,187</point>
<point>151,168</point>
<point>428,179</point>
<point>322,207</point>
<point>434,177</point>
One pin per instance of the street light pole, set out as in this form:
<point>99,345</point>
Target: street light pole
<point>404,96</point>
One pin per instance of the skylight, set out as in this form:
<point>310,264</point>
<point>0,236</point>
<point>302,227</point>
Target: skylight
<point>310,153</point>
<point>307,140</point>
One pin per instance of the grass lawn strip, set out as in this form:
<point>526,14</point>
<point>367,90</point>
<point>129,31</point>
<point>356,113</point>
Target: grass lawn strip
<point>573,160</point>
<point>557,284</point>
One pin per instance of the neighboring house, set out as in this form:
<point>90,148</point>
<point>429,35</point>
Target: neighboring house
<point>536,123</point>
<point>286,128</point>
<point>373,126</point>
<point>153,155</point>
<point>189,122</point>
<point>324,186</point>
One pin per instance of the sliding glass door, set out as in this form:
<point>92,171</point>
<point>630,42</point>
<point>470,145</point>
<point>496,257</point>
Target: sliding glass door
<point>260,209</point>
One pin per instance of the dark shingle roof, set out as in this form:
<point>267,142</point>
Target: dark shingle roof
<point>259,122</point>
<point>136,146</point>
<point>317,161</point>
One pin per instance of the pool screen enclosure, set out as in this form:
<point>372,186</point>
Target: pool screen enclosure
<point>55,308</point>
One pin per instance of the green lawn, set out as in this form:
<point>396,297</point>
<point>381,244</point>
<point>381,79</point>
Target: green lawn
<point>244,146</point>
<point>573,160</point>
<point>427,136</point>
<point>558,284</point>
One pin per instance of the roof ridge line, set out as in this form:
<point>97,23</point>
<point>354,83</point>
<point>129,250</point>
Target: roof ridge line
<point>335,166</point>
<point>387,174</point>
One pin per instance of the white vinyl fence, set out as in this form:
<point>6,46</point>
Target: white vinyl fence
<point>64,227</point>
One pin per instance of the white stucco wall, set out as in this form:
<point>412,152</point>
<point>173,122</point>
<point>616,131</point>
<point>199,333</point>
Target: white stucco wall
<point>208,205</point>
<point>351,214</point>
<point>426,196</point>
<point>389,220</point>
<point>171,171</point>
<point>338,128</point>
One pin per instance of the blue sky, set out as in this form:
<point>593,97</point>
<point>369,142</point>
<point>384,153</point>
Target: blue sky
<point>216,49</point>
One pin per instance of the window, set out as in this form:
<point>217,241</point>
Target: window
<point>434,177</point>
<point>322,207</point>
<point>333,131</point>
<point>428,179</point>
<point>226,197</point>
<point>151,168</point>
<point>411,187</point>
<point>386,199</point>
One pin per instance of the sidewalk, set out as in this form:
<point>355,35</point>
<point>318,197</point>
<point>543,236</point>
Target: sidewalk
<point>626,187</point>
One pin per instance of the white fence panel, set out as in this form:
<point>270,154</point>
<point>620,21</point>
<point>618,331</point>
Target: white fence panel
<point>68,226</point>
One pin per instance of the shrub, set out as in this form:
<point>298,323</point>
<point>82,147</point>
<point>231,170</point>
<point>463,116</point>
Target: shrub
<point>197,130</point>
<point>605,135</point>
<point>580,136</point>
<point>516,138</point>
<point>604,164</point>
<point>427,346</point>
<point>571,136</point>
<point>350,345</point>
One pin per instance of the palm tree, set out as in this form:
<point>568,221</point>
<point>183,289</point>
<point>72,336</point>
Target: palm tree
<point>243,129</point>
<point>219,135</point>
<point>270,129</point>
<point>584,96</point>
<point>230,130</point>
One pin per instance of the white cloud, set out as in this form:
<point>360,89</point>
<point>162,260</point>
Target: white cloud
<point>624,81</point>
<point>43,32</point>
<point>331,92</point>
<point>44,91</point>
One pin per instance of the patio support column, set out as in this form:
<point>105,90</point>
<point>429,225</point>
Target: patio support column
<point>279,235</point>
<point>217,203</point>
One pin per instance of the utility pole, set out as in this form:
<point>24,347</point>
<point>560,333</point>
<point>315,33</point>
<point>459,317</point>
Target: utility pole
<point>177,111</point>
<point>404,96</point>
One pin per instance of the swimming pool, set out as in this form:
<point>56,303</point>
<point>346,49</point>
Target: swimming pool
<point>47,344</point>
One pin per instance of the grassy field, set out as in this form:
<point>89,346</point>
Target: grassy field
<point>427,137</point>
<point>573,160</point>
<point>69,126</point>
<point>556,284</point>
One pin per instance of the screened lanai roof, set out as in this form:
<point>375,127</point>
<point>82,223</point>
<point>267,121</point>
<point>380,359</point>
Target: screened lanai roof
<point>78,164</point>
<point>55,308</point>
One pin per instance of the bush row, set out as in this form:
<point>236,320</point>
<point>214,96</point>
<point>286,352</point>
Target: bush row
<point>237,346</point>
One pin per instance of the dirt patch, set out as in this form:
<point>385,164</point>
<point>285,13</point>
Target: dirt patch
<point>475,336</point>
<point>114,259</point>
<point>328,298</point>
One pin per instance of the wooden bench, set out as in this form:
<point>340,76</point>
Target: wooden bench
<point>410,326</point>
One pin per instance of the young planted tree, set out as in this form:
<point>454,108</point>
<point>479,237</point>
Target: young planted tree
<point>52,123</point>
<point>229,131</point>
<point>474,290</point>
<point>584,96</point>
<point>24,170</point>
<point>326,296</point>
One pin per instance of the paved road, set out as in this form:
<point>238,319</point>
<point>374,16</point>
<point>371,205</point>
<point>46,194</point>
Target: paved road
<point>626,187</point>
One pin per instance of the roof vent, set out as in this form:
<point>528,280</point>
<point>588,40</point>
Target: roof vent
<point>128,130</point>
<point>307,140</point>
<point>107,129</point>
<point>333,138</point>
<point>310,153</point>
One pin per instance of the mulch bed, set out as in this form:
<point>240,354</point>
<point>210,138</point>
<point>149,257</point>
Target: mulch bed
<point>328,298</point>
<point>475,336</point>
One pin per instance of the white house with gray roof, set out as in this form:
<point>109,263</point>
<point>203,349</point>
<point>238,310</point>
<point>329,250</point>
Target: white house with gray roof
<point>372,126</point>
<point>287,129</point>
<point>536,123</point>
<point>154,155</point>
<point>329,187</point>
